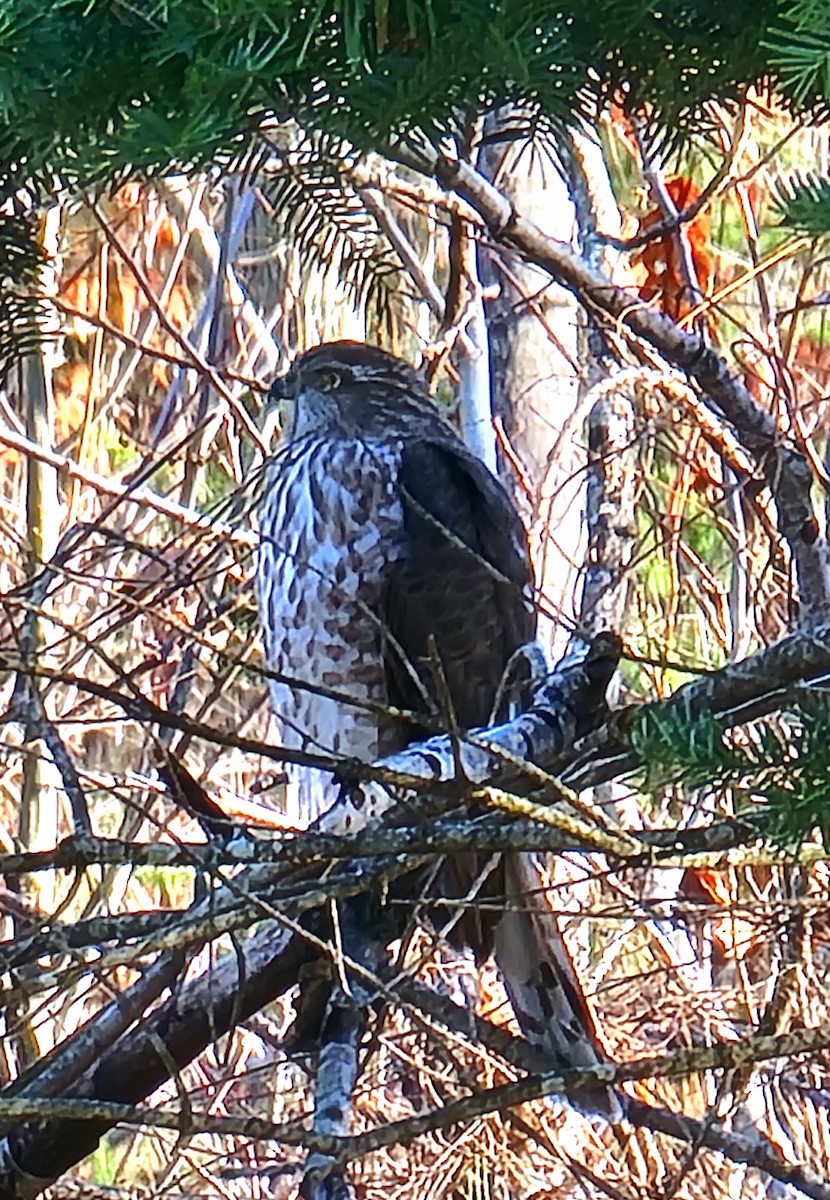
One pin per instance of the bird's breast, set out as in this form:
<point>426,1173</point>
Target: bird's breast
<point>331,527</point>
<point>334,509</point>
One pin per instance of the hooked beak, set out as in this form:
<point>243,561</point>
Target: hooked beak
<point>281,389</point>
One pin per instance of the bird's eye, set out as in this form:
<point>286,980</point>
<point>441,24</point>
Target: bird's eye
<point>329,381</point>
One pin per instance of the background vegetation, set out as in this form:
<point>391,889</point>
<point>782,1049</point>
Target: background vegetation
<point>191,192</point>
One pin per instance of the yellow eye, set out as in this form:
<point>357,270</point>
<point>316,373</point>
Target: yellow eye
<point>329,381</point>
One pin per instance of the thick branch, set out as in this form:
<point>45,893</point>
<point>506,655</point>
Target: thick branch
<point>448,836</point>
<point>190,1020</point>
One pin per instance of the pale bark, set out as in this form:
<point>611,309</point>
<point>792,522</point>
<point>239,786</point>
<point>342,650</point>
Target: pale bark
<point>779,458</point>
<point>533,325</point>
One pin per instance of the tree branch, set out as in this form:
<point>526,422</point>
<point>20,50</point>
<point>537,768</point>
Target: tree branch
<point>785,468</point>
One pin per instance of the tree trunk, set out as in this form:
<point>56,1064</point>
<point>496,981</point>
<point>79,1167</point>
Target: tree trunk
<point>534,354</point>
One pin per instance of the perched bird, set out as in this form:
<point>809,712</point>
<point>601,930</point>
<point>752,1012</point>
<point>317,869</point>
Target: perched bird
<point>394,572</point>
<point>388,553</point>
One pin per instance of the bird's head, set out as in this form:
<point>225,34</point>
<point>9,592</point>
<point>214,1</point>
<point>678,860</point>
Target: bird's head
<point>349,389</point>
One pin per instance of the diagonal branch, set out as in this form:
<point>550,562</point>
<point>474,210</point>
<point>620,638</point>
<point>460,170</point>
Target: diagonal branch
<point>783,464</point>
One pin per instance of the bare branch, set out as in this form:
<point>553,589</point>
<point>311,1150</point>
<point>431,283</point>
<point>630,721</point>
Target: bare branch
<point>784,465</point>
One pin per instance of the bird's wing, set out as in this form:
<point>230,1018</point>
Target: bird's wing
<point>464,579</point>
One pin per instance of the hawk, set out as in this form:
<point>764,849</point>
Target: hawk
<point>393,572</point>
<point>387,548</point>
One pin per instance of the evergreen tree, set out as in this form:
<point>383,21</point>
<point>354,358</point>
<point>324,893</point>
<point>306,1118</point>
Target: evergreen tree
<point>93,93</point>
